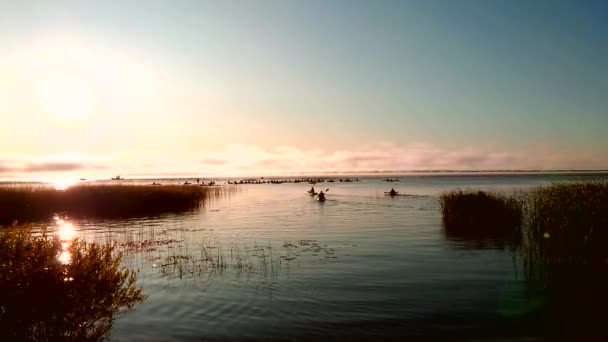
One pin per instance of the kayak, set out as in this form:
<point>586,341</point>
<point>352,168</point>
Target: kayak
<point>312,193</point>
<point>321,199</point>
<point>391,194</point>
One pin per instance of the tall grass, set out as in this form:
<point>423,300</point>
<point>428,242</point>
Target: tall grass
<point>44,299</point>
<point>568,224</point>
<point>108,201</point>
<point>481,215</point>
<point>566,253</point>
<point>563,234</point>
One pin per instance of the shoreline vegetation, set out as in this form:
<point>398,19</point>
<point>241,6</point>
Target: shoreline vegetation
<point>560,232</point>
<point>45,299</point>
<point>470,214</point>
<point>40,203</point>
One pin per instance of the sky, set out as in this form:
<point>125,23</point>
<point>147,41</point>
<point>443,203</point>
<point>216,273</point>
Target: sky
<point>100,88</point>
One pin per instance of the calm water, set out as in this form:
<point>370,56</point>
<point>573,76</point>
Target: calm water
<point>360,265</point>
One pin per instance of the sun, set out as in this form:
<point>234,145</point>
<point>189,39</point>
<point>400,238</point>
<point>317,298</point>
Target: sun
<point>62,184</point>
<point>66,99</point>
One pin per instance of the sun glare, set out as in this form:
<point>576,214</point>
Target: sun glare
<point>66,99</point>
<point>62,184</point>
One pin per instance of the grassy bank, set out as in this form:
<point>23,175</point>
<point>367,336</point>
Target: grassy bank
<point>481,215</point>
<point>108,201</point>
<point>44,299</point>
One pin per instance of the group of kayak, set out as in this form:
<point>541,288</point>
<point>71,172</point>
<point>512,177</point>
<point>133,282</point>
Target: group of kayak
<point>321,195</point>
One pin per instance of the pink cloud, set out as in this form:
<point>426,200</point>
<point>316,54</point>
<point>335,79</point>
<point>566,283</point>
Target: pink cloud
<point>242,159</point>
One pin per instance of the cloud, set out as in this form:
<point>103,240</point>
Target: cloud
<point>6,169</point>
<point>60,166</point>
<point>274,164</point>
<point>358,159</point>
<point>242,159</point>
<point>411,157</point>
<point>212,161</point>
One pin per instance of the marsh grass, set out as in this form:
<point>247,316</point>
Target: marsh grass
<point>479,215</point>
<point>37,203</point>
<point>43,299</point>
<point>210,258</point>
<point>566,250</point>
<point>561,232</point>
<point>568,225</point>
<point>177,254</point>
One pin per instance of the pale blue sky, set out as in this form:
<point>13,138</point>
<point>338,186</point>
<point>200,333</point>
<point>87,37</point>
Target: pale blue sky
<point>502,76</point>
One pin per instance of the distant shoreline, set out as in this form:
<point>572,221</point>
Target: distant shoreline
<point>334,174</point>
<point>364,173</point>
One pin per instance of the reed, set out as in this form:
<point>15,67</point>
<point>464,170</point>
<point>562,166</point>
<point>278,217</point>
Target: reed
<point>562,234</point>
<point>482,215</point>
<point>44,299</point>
<point>566,252</point>
<point>100,201</point>
<point>568,224</point>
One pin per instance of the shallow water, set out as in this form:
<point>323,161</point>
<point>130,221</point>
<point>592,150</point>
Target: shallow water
<point>360,265</point>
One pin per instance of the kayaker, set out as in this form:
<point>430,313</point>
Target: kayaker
<point>312,190</point>
<point>321,196</point>
<point>392,192</point>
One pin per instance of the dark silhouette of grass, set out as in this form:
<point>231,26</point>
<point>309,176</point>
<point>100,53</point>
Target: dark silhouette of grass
<point>100,201</point>
<point>482,216</point>
<point>561,232</point>
<point>44,299</point>
<point>566,254</point>
<point>568,224</point>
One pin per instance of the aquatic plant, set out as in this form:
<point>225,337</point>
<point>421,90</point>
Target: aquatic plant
<point>107,201</point>
<point>45,299</point>
<point>566,239</point>
<point>568,224</point>
<point>482,215</point>
<point>562,231</point>
<point>208,258</point>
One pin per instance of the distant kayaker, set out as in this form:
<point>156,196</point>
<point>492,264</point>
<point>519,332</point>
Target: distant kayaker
<point>312,190</point>
<point>392,192</point>
<point>321,196</point>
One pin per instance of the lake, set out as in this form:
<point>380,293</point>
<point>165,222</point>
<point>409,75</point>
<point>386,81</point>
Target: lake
<point>268,261</point>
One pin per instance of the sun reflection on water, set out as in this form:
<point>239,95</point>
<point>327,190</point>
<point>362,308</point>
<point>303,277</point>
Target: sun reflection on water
<point>67,233</point>
<point>65,257</point>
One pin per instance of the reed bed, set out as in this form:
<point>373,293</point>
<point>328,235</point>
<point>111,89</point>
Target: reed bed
<point>482,215</point>
<point>37,203</point>
<point>566,250</point>
<point>568,225</point>
<point>45,299</point>
<point>562,235</point>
